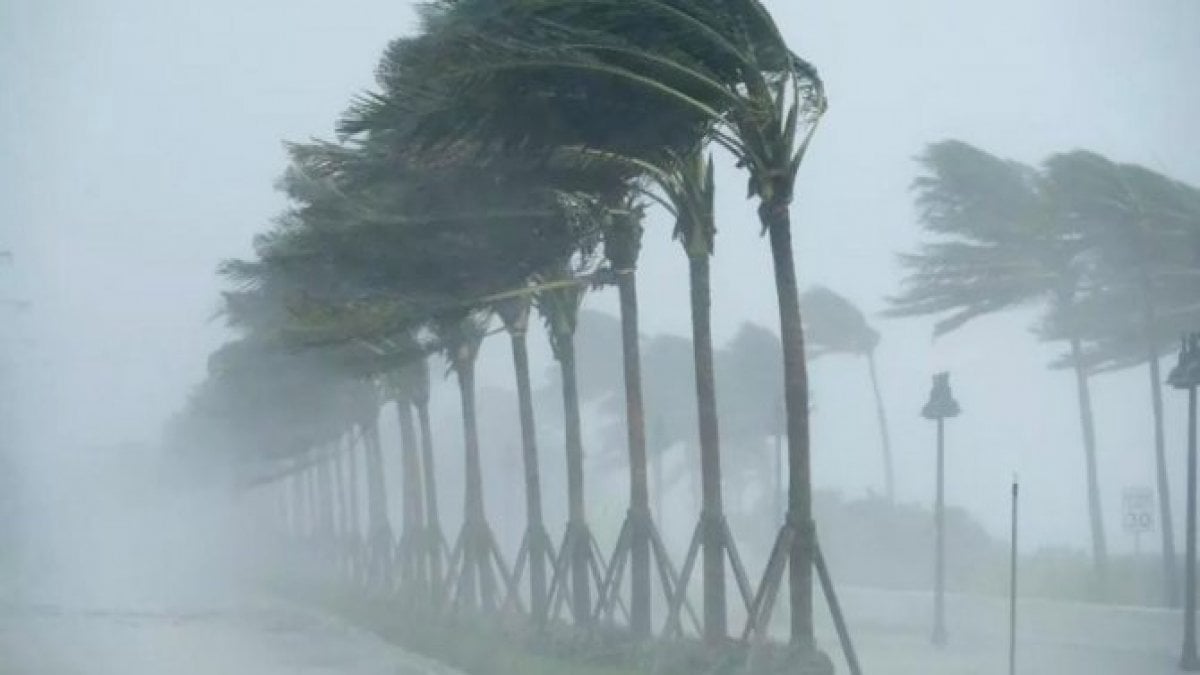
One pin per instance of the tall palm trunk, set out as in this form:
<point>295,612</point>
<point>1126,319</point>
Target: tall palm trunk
<point>296,481</point>
<point>380,530</point>
<point>576,514</point>
<point>354,529</point>
<point>712,513</point>
<point>1088,426</point>
<point>635,425</point>
<point>659,479</point>
<point>412,564</point>
<point>473,509</point>
<point>889,475</point>
<point>339,484</point>
<point>310,495</point>
<point>780,511</point>
<point>535,523</point>
<point>328,515</point>
<point>777,221</point>
<point>1170,562</point>
<point>433,527</point>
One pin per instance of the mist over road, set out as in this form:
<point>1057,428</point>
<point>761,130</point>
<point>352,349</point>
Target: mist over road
<point>252,638</point>
<point>891,631</point>
<point>121,573</point>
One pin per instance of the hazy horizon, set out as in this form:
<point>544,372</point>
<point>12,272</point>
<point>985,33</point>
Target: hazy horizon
<point>143,141</point>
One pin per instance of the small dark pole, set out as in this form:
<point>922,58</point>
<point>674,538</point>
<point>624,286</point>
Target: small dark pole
<point>1186,375</point>
<point>1012,586</point>
<point>940,406</point>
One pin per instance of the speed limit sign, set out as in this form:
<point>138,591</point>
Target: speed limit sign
<point>1138,510</point>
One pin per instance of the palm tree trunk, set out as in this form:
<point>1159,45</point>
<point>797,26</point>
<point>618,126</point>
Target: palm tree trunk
<point>1170,563</point>
<point>380,535</point>
<point>325,478</point>
<point>576,513</point>
<point>1088,426</point>
<point>410,462</point>
<point>712,512</point>
<point>777,221</point>
<point>296,481</point>
<point>318,503</point>
<point>473,511</point>
<point>341,526</point>
<point>355,528</point>
<point>635,425</point>
<point>535,523</point>
<point>377,507</point>
<point>777,510</point>
<point>433,527</point>
<point>657,458</point>
<point>314,504</point>
<point>884,437</point>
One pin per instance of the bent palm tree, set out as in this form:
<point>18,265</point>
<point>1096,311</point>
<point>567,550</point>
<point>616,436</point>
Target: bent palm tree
<point>1142,225</point>
<point>834,325</point>
<point>559,306</point>
<point>1001,243</point>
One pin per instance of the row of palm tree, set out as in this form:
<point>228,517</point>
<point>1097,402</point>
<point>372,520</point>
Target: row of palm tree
<point>1109,251</point>
<point>505,162</point>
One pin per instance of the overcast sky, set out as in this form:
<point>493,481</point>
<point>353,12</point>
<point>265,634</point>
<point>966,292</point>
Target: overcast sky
<point>139,142</point>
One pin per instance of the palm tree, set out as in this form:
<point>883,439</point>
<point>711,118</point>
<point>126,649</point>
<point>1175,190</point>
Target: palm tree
<point>690,192</point>
<point>1143,225</point>
<point>559,306</point>
<point>401,385</point>
<point>536,546</point>
<point>834,325</point>
<point>1001,243</point>
<point>622,245</point>
<point>461,332</point>
<point>584,136</point>
<point>724,63</point>
<point>435,540</point>
<point>487,242</point>
<point>753,420</point>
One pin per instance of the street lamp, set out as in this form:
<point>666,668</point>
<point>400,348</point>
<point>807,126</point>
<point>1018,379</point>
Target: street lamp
<point>940,406</point>
<point>1186,375</point>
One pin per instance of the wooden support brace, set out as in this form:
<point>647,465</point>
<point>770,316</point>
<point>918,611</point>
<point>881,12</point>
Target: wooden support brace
<point>672,627</point>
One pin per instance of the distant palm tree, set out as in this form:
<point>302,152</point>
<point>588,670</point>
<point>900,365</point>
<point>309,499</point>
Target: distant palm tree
<point>1143,226</point>
<point>834,325</point>
<point>402,385</point>
<point>1000,244</point>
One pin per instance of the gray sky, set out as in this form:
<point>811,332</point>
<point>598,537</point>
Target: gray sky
<point>139,142</point>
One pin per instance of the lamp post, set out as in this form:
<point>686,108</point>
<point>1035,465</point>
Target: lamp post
<point>940,406</point>
<point>1186,375</point>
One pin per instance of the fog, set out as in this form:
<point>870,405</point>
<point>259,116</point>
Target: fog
<point>139,147</point>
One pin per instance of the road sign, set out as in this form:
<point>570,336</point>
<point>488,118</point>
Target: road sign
<point>1137,510</point>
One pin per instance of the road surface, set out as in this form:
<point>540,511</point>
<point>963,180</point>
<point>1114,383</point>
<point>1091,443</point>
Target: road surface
<point>255,638</point>
<point>891,631</point>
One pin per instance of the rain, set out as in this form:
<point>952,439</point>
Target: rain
<point>604,336</point>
